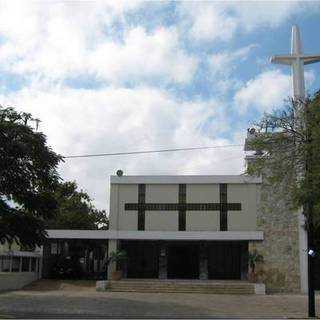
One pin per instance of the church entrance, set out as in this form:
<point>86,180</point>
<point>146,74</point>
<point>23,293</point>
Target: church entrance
<point>142,259</point>
<point>224,260</point>
<point>183,261</point>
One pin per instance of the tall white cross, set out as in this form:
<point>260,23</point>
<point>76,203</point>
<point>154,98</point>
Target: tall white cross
<point>296,60</point>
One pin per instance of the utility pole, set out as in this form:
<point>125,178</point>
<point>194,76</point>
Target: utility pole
<point>311,293</point>
<point>308,208</point>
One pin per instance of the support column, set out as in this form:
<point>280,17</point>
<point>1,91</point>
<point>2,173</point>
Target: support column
<point>46,261</point>
<point>113,246</point>
<point>20,264</point>
<point>105,258</point>
<point>124,264</point>
<point>203,261</point>
<point>163,261</point>
<point>244,261</point>
<point>40,266</point>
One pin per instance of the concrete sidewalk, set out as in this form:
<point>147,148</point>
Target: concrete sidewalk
<point>75,300</point>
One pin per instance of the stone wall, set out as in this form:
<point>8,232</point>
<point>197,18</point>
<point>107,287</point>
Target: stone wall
<point>280,270</point>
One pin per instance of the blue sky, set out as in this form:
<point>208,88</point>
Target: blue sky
<point>124,76</point>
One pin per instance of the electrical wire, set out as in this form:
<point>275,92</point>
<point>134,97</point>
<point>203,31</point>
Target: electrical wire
<point>149,151</point>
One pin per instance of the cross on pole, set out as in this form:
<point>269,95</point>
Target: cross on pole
<point>296,60</point>
<point>182,206</point>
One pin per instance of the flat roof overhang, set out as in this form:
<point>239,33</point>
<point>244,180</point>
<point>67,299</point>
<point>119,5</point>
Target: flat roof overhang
<point>155,235</point>
<point>188,179</point>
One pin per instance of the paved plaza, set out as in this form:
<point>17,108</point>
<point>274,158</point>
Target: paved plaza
<point>54,299</point>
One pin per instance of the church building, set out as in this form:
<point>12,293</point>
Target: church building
<point>184,227</point>
<point>196,228</point>
<point>206,227</point>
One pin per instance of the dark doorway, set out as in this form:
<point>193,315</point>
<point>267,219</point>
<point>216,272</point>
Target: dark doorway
<point>142,259</point>
<point>224,260</point>
<point>183,261</point>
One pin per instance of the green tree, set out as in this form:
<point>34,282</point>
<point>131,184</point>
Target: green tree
<point>75,210</point>
<point>28,175</point>
<point>286,153</point>
<point>287,145</point>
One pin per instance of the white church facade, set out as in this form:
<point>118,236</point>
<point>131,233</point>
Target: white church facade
<point>198,228</point>
<point>184,227</point>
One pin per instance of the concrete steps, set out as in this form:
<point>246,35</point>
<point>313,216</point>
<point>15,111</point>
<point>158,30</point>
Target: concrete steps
<point>188,286</point>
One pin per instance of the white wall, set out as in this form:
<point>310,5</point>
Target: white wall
<point>127,220</point>
<point>245,220</point>
<point>16,280</point>
<point>162,220</point>
<point>203,220</point>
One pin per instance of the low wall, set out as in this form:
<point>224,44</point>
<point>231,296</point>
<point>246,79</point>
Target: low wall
<point>16,280</point>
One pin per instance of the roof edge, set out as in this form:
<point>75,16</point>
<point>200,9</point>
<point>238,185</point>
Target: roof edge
<point>188,179</point>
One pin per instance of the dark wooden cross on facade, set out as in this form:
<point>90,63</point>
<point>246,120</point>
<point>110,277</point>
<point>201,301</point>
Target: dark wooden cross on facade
<point>182,206</point>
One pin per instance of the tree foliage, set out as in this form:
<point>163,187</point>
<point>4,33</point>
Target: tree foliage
<point>287,150</point>
<point>75,210</point>
<point>28,175</point>
<point>32,197</point>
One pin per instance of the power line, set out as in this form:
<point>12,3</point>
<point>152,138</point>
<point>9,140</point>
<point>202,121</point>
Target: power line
<point>149,151</point>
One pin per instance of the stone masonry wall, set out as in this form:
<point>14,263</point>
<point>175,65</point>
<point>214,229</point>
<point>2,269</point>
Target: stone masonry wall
<point>280,270</point>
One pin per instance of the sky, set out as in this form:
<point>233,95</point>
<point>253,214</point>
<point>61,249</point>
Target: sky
<point>122,76</point>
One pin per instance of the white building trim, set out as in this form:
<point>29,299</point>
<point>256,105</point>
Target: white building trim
<point>189,235</point>
<point>185,179</point>
<point>155,235</point>
<point>77,234</point>
<point>21,254</point>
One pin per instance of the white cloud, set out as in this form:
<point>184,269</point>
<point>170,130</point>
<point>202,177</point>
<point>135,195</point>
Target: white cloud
<point>47,43</point>
<point>68,40</point>
<point>252,15</point>
<point>217,20</point>
<point>267,91</point>
<point>223,65</point>
<point>224,62</point>
<point>143,55</point>
<point>32,24</point>
<point>117,119</point>
<point>211,23</point>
